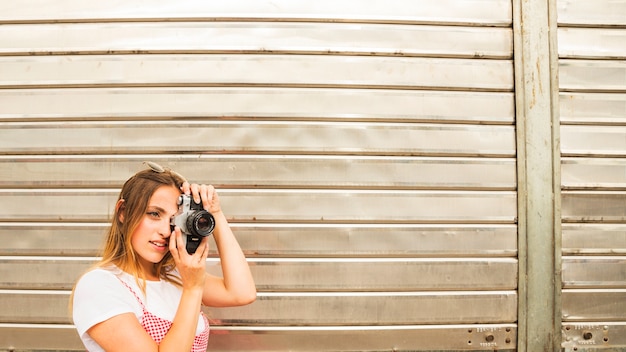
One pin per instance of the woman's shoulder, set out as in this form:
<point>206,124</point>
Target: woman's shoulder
<point>104,286</point>
<point>101,276</point>
<point>111,271</point>
<point>98,296</point>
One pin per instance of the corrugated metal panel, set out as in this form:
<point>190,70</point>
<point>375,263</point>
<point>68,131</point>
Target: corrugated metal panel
<point>594,239</point>
<point>594,206</point>
<point>382,135</point>
<point>260,137</point>
<point>237,70</point>
<point>248,103</point>
<point>269,37</point>
<point>268,171</point>
<point>291,240</point>
<point>597,336</point>
<point>593,114</point>
<point>323,338</point>
<point>254,103</point>
<point>302,274</point>
<point>307,308</point>
<point>596,75</point>
<point>594,13</point>
<point>593,305</point>
<point>592,43</point>
<point>360,206</point>
<point>593,173</point>
<point>468,12</point>
<point>596,108</point>
<point>602,271</point>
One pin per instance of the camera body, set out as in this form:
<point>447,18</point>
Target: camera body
<point>194,222</point>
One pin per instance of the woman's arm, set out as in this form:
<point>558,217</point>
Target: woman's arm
<point>124,332</point>
<point>237,286</point>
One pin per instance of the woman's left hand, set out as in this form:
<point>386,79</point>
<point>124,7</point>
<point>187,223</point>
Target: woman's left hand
<point>236,287</point>
<point>205,194</point>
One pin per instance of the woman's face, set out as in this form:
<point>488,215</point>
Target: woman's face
<point>151,238</point>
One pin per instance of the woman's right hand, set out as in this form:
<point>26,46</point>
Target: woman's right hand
<point>123,332</point>
<point>191,267</point>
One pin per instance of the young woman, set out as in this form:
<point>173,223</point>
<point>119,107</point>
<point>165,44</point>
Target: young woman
<point>146,292</point>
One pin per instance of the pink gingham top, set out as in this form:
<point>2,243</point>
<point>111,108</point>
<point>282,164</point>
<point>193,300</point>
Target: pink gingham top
<point>157,327</point>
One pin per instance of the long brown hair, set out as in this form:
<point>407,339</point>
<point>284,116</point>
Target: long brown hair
<point>132,204</point>
<point>131,207</point>
<point>129,211</point>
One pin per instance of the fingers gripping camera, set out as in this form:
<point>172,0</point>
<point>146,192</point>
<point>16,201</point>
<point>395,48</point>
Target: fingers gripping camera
<point>194,222</point>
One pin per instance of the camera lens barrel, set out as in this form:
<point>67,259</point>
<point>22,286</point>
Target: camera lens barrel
<point>200,223</point>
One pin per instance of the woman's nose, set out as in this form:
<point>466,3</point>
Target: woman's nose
<point>166,229</point>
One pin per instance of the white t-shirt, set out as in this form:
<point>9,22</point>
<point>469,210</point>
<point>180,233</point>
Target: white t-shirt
<point>99,295</point>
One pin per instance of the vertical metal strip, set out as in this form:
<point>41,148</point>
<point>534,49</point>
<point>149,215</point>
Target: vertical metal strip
<point>556,172</point>
<point>538,156</point>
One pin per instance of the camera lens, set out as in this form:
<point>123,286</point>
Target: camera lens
<point>201,223</point>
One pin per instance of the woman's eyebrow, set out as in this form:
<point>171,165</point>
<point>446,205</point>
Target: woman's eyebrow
<point>156,208</point>
<point>162,210</point>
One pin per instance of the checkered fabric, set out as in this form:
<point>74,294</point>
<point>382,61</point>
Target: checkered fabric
<point>157,327</point>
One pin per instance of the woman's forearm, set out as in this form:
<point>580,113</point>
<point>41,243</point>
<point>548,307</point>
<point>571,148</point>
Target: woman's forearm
<point>237,277</point>
<point>181,335</point>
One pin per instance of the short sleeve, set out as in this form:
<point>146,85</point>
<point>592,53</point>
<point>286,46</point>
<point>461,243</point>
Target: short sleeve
<point>99,295</point>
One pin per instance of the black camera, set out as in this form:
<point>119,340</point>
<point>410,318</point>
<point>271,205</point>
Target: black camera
<point>194,222</point>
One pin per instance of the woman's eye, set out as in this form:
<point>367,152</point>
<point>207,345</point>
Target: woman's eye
<point>153,214</point>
